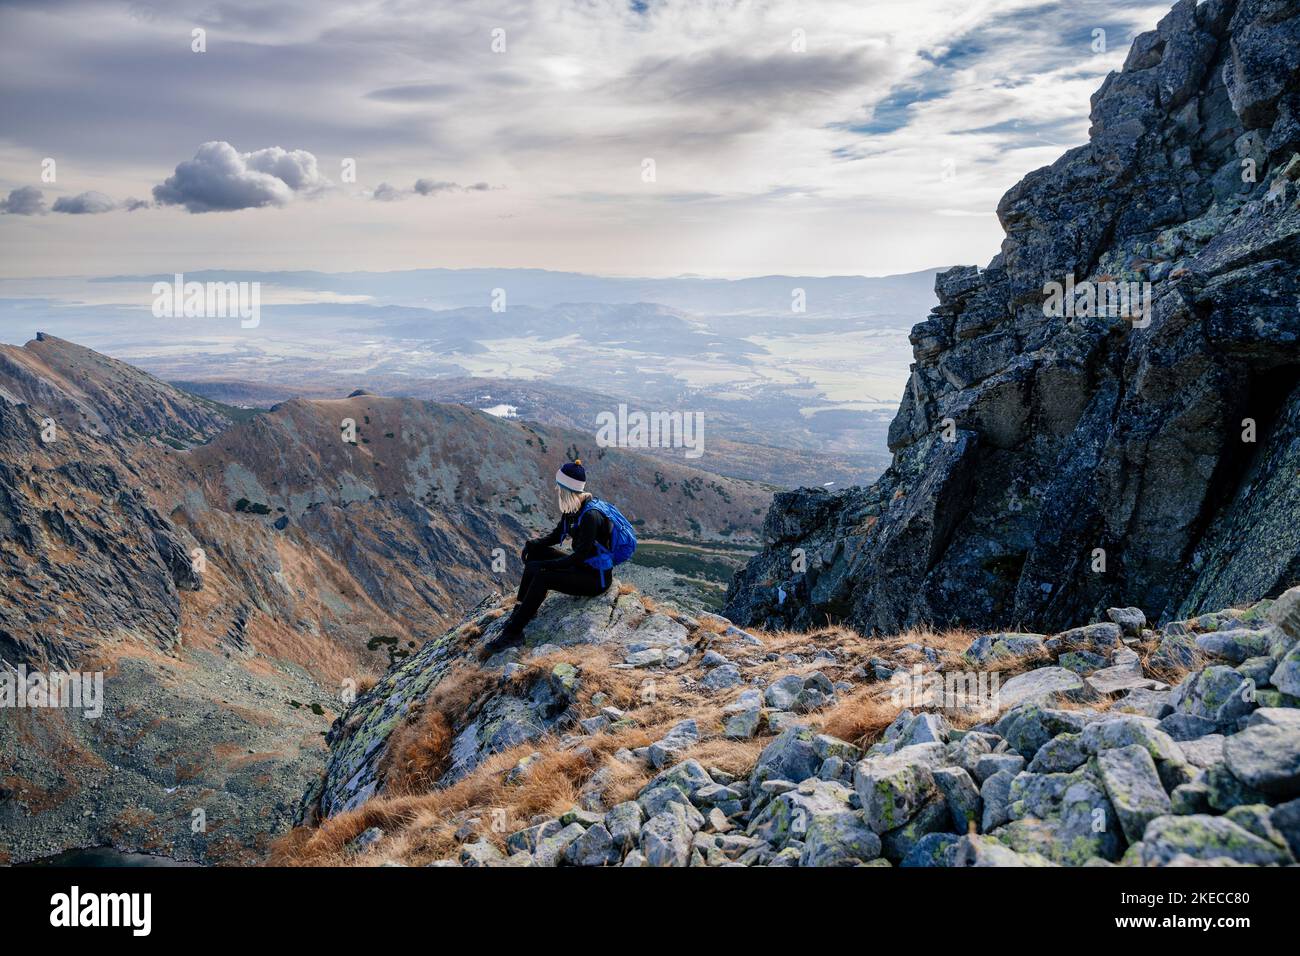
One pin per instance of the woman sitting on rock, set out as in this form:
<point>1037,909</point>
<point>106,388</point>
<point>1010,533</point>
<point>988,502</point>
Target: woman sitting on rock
<point>546,568</point>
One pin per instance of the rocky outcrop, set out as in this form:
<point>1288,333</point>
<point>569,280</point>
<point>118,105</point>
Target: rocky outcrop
<point>1047,466</point>
<point>1086,758</point>
<point>505,712</point>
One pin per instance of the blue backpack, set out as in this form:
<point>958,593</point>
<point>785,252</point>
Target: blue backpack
<point>622,539</point>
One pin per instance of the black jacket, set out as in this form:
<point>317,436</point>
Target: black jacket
<point>593,527</point>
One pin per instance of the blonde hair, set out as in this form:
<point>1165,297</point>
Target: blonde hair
<point>570,501</point>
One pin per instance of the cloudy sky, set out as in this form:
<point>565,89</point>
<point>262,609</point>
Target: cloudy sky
<point>650,137</point>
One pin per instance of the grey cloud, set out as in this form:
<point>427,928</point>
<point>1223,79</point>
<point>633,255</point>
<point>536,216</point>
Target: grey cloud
<point>24,201</point>
<point>220,178</point>
<point>427,187</point>
<point>85,204</point>
<point>778,81</point>
<point>385,192</point>
<point>415,93</point>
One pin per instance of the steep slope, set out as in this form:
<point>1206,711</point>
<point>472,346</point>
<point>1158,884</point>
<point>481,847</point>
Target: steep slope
<point>93,392</point>
<point>234,594</point>
<point>83,551</point>
<point>1049,465</point>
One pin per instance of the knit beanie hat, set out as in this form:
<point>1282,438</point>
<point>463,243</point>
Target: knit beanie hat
<point>572,476</point>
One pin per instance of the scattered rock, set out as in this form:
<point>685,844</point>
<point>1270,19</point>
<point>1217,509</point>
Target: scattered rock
<point>1134,788</point>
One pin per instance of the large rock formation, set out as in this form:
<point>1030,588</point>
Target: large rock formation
<point>503,712</point>
<point>1048,466</point>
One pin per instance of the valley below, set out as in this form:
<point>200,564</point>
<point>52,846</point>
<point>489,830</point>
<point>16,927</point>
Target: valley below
<point>236,577</point>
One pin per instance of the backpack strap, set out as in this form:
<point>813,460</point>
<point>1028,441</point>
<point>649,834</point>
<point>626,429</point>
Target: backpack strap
<point>601,550</point>
<point>571,523</point>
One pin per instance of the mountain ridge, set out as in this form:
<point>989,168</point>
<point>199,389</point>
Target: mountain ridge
<point>145,542</point>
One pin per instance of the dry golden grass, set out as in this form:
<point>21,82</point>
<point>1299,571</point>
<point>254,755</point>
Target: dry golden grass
<point>710,626</point>
<point>423,827</point>
<point>861,717</point>
<point>421,821</point>
<point>1171,674</point>
<point>418,753</point>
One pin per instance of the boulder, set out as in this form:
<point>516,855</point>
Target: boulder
<point>781,694</point>
<point>933,849</point>
<point>1008,646</point>
<point>973,850</point>
<point>623,823</point>
<point>1204,838</point>
<point>932,817</point>
<point>1131,620</point>
<point>1286,676</point>
<point>742,717</point>
<point>1216,693</point>
<point>1285,818</point>
<point>791,756</point>
<point>990,764</point>
<point>666,839</point>
<point>596,847</point>
<point>1044,686</point>
<point>1233,646</point>
<point>1266,755</point>
<point>961,796</point>
<point>1061,754</point>
<point>1102,638</point>
<point>551,850</point>
<point>995,796</point>
<point>894,787</point>
<point>1285,613</point>
<point>722,677</point>
<point>682,736</point>
<point>1134,788</point>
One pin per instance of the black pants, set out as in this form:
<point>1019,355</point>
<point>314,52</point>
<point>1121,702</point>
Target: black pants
<point>582,581</point>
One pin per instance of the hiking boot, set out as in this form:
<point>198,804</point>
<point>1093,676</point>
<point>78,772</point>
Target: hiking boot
<point>507,638</point>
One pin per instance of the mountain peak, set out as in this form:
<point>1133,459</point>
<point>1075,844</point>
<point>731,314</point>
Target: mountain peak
<point>1134,445</point>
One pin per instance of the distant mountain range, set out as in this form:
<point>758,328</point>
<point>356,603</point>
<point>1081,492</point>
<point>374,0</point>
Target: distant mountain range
<point>797,376</point>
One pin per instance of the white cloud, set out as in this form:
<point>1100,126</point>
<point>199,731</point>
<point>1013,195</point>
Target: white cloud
<point>220,178</point>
